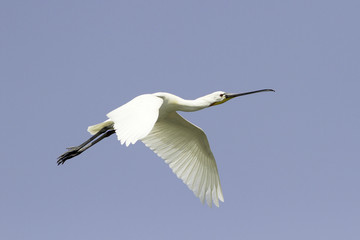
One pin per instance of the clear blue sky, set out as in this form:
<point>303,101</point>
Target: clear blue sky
<point>288,161</point>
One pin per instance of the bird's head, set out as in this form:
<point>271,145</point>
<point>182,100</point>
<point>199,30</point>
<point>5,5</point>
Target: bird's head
<point>220,97</point>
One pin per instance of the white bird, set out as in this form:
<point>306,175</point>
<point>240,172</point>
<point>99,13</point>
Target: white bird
<point>153,119</point>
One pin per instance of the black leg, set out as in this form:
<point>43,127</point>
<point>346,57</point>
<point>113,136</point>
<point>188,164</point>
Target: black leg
<point>92,138</point>
<point>105,135</point>
<point>74,151</point>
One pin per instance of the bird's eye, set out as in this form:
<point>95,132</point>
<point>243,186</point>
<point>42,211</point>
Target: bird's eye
<point>221,94</point>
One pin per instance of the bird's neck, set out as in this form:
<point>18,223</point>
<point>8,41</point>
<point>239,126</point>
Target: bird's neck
<point>175,103</point>
<point>192,105</point>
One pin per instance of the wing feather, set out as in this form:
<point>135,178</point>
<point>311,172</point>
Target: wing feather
<point>135,119</point>
<point>186,149</point>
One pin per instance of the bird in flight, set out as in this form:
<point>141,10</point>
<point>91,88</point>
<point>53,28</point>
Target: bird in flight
<point>153,119</point>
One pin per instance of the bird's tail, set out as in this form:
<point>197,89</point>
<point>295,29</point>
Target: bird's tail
<point>97,127</point>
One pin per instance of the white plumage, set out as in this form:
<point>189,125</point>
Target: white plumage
<point>135,119</point>
<point>153,119</point>
<point>186,149</point>
<point>180,143</point>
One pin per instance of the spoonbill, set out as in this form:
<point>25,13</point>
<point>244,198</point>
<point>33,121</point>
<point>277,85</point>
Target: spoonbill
<point>153,119</point>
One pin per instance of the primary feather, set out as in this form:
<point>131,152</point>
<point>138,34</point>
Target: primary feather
<point>186,149</point>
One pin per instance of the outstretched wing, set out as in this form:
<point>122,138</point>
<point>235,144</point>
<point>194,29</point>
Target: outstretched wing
<point>135,119</point>
<point>186,149</point>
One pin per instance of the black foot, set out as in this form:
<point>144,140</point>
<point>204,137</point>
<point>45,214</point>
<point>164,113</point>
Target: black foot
<point>72,152</point>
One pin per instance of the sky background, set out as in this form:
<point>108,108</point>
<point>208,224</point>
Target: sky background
<point>288,161</point>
